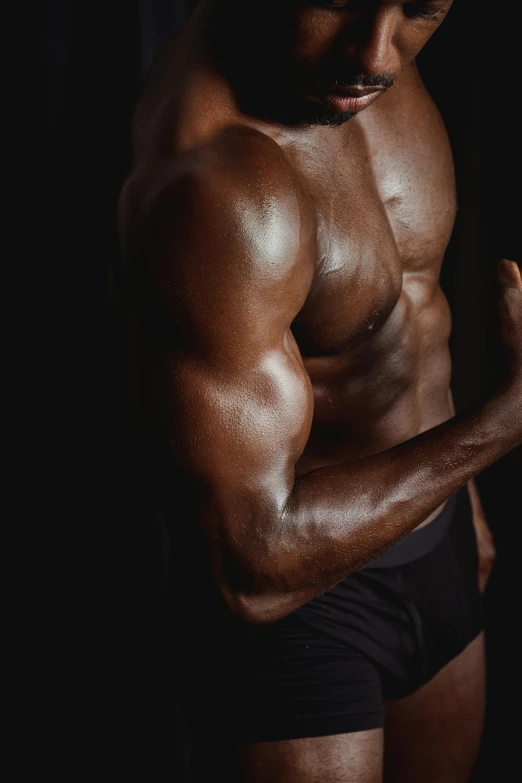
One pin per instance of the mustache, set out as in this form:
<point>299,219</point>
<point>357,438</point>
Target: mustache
<point>383,79</point>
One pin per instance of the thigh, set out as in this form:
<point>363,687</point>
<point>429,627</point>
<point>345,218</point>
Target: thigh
<point>296,706</point>
<point>434,735</point>
<point>342,758</point>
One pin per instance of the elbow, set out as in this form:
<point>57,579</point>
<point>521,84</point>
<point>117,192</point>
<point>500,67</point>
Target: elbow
<point>257,597</point>
<point>259,609</point>
<point>258,584</point>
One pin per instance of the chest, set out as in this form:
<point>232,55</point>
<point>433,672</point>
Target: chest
<point>385,206</point>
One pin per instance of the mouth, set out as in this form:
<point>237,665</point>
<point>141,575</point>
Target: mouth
<point>348,99</point>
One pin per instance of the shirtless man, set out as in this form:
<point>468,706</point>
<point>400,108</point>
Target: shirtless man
<point>283,229</point>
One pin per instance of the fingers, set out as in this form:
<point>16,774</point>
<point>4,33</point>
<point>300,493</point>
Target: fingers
<point>509,273</point>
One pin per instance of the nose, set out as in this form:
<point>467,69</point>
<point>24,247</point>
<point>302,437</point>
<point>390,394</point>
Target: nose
<point>373,42</point>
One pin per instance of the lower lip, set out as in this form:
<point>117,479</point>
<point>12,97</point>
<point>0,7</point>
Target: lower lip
<point>347,103</point>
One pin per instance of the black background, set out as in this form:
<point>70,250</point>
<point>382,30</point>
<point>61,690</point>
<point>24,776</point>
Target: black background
<point>109,677</point>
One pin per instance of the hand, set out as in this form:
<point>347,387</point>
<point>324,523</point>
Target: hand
<point>487,553</point>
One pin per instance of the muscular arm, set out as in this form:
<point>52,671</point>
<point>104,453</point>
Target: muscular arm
<point>230,266</point>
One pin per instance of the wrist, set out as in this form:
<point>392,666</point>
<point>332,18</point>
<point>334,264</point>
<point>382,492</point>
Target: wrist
<point>506,407</point>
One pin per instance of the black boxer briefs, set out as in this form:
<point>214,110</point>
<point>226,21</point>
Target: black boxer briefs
<point>328,667</point>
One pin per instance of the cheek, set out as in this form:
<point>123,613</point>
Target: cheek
<point>410,39</point>
<point>316,34</point>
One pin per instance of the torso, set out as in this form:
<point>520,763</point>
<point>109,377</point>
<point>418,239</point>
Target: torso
<point>373,332</point>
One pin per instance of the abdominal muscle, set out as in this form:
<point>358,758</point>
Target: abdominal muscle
<point>354,420</point>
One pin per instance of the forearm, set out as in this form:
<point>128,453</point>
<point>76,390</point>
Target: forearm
<point>472,487</point>
<point>340,518</point>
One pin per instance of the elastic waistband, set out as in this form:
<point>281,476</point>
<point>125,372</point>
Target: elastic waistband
<point>421,541</point>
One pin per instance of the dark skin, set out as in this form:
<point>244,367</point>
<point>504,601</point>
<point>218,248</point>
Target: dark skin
<point>289,337</point>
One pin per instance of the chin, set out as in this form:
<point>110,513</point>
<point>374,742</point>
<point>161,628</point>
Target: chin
<point>312,112</point>
<point>332,118</point>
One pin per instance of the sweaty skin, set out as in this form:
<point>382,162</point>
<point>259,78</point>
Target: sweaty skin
<point>288,333</point>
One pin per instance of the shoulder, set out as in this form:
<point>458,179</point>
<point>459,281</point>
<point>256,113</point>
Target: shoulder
<point>234,206</point>
<point>240,181</point>
<point>249,159</point>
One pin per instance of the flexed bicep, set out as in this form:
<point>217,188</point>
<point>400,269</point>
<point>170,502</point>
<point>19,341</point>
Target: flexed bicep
<point>224,387</point>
